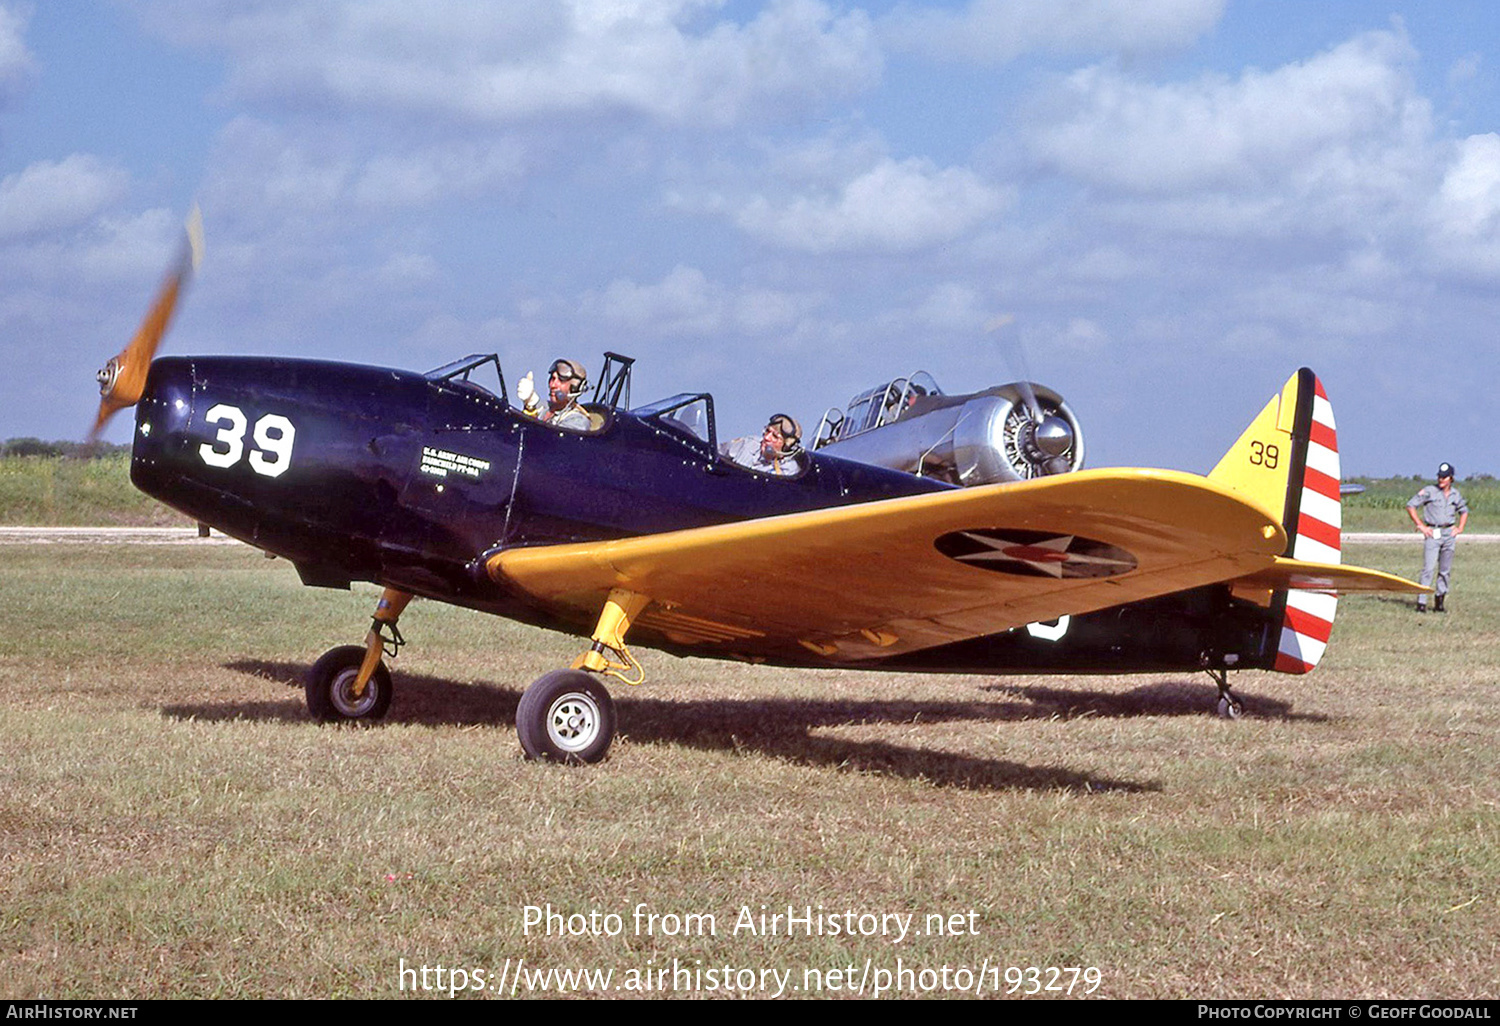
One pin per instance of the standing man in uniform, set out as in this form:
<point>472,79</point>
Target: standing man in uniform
<point>1440,513</point>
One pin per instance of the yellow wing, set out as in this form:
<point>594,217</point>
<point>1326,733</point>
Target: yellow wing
<point>881,578</point>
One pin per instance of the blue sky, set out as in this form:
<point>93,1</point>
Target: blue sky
<point>1168,205</point>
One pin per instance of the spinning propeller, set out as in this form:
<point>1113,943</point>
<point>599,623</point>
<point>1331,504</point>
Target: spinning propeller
<point>122,380</point>
<point>1045,439</point>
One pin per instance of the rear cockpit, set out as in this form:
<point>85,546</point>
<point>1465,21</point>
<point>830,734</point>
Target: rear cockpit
<point>877,407</point>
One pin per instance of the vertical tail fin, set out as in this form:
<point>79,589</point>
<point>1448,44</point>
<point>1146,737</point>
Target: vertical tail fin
<point>1288,459</point>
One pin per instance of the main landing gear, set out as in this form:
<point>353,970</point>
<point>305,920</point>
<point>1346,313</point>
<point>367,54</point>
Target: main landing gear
<point>564,716</point>
<point>568,715</point>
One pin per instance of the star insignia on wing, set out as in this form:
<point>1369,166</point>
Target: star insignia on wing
<point>1036,553</point>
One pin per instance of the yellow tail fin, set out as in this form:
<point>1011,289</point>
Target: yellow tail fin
<point>1287,461</point>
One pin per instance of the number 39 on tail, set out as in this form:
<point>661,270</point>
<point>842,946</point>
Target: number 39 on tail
<point>920,531</point>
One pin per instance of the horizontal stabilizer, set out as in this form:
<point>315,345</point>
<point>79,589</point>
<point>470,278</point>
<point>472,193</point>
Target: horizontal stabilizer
<point>1328,577</point>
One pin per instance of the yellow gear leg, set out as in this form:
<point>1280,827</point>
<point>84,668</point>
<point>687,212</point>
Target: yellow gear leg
<point>620,609</point>
<point>387,611</point>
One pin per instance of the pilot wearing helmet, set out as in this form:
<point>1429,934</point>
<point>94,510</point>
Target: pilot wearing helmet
<point>776,451</point>
<point>1440,513</point>
<point>566,380</point>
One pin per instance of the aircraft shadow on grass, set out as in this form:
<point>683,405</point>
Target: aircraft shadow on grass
<point>1158,698</point>
<point>783,728</point>
<point>1399,601</point>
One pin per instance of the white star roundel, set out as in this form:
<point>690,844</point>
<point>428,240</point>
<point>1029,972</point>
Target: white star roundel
<point>1035,553</point>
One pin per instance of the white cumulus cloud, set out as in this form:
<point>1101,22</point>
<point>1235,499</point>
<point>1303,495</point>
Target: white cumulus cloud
<point>1216,132</point>
<point>894,206</point>
<point>994,31</point>
<point>686,302</point>
<point>52,196</point>
<point>16,62</point>
<point>673,60</point>
<point>1468,203</point>
<point>1465,212</point>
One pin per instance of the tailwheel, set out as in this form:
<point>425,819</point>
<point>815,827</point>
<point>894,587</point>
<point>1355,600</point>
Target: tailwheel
<point>566,716</point>
<point>1229,705</point>
<point>333,694</point>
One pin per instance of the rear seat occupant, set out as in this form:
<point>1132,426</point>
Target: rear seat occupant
<point>775,452</point>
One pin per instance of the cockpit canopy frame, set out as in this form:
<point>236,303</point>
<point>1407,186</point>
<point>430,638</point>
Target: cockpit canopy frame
<point>686,413</point>
<point>874,408</point>
<point>461,370</point>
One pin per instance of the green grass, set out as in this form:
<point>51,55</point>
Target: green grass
<point>53,491</point>
<point>172,825</point>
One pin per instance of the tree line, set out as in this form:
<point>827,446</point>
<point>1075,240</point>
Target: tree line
<point>81,450</point>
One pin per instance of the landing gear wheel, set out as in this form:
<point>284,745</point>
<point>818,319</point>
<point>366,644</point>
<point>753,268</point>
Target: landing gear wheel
<point>1230,707</point>
<point>330,688</point>
<point>566,716</point>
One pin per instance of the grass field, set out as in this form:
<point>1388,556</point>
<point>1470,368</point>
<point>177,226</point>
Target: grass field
<point>52,491</point>
<point>174,826</point>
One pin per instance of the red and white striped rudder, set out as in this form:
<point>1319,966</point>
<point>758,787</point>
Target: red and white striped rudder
<point>1314,521</point>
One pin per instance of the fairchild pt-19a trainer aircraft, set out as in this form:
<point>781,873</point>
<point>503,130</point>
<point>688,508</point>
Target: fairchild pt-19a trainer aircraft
<point>920,532</point>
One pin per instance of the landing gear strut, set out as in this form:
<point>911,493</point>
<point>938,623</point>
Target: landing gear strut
<point>1229,706</point>
<point>350,683</point>
<point>568,715</point>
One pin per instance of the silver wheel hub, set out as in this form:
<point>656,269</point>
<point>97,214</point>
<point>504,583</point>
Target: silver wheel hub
<point>573,721</point>
<point>344,699</point>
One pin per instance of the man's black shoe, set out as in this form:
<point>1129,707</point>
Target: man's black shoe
<point>1421,608</point>
<point>1437,604</point>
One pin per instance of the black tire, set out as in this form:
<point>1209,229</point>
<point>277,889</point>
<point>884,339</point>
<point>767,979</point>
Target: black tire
<point>566,716</point>
<point>329,683</point>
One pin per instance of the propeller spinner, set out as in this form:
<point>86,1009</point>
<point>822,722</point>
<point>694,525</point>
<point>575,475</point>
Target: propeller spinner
<point>122,380</point>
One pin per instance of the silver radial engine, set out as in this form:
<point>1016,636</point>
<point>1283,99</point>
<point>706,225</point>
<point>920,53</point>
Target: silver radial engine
<point>1013,432</point>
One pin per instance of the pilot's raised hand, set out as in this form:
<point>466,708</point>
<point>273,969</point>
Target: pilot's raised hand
<point>526,392</point>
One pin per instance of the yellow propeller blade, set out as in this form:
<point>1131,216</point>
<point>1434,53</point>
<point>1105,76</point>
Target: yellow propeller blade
<point>122,380</point>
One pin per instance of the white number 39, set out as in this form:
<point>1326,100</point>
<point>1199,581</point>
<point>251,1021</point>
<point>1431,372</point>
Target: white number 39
<point>274,435</point>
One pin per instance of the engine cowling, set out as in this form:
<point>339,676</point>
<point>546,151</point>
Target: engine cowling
<point>1012,432</point>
